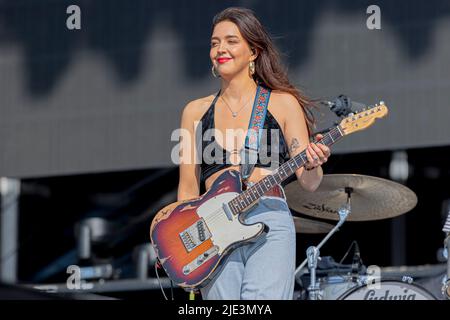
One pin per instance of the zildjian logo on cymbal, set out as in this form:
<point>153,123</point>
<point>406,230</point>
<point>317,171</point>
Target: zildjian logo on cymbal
<point>319,207</point>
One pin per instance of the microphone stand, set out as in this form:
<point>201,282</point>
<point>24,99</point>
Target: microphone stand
<point>313,252</point>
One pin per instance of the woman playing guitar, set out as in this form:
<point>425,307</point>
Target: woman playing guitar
<point>244,58</point>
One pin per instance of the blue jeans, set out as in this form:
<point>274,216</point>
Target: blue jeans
<point>263,270</point>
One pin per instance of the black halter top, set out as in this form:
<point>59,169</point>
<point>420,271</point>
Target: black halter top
<point>207,145</point>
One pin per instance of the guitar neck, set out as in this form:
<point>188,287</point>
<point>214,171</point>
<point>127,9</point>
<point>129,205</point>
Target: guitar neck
<point>248,197</point>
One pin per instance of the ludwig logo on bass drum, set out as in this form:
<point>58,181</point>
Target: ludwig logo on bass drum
<point>390,290</point>
<point>387,295</point>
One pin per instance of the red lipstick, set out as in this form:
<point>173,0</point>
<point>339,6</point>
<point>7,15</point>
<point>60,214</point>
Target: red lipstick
<point>223,60</point>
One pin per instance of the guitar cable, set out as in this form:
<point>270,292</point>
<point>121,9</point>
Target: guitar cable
<point>158,265</point>
<point>159,280</point>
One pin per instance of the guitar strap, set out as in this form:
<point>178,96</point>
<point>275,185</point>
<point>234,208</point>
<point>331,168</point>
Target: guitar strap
<point>249,154</point>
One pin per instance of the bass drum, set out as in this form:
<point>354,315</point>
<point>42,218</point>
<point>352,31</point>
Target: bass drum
<point>388,290</point>
<point>333,287</point>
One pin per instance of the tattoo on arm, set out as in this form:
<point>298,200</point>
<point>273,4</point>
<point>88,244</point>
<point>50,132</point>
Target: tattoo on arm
<point>294,145</point>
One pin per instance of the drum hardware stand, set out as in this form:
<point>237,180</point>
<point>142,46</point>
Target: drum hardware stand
<point>313,252</point>
<point>446,280</point>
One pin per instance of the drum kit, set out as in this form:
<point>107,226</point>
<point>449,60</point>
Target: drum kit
<point>349,197</point>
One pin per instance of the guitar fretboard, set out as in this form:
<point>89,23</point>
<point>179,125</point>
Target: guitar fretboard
<point>248,197</point>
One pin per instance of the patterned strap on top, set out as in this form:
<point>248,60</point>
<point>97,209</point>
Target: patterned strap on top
<point>249,154</point>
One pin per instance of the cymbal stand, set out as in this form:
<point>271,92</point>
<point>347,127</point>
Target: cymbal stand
<point>313,252</point>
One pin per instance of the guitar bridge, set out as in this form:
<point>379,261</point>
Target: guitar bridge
<point>195,235</point>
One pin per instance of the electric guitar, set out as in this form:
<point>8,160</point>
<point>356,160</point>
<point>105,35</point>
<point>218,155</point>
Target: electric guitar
<point>192,237</point>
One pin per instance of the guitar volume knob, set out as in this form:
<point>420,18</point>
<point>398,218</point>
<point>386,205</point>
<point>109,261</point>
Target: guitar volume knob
<point>186,270</point>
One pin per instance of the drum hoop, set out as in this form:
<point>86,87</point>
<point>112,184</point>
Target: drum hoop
<point>352,290</point>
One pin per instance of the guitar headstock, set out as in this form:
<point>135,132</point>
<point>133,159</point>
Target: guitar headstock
<point>363,119</point>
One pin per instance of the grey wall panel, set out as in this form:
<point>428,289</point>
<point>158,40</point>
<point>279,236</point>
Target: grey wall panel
<point>108,96</point>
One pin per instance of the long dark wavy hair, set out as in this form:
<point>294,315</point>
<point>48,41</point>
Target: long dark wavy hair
<point>269,70</point>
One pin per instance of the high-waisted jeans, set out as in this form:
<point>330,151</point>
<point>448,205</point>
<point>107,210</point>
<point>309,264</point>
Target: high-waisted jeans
<point>262,270</point>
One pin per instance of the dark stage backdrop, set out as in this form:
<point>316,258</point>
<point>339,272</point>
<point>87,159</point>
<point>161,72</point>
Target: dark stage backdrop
<point>107,97</point>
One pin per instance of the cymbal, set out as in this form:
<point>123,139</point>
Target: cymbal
<point>372,198</point>
<point>303,225</point>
